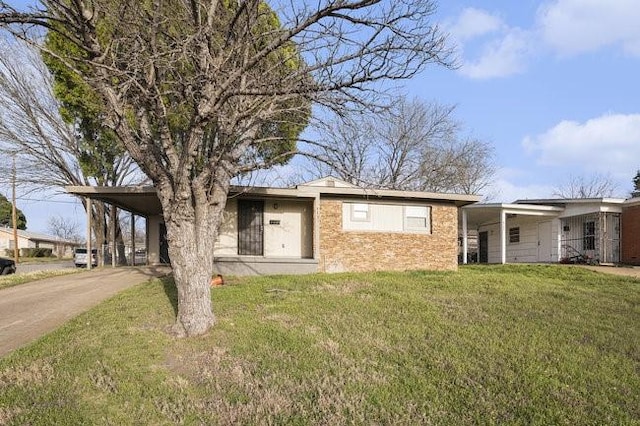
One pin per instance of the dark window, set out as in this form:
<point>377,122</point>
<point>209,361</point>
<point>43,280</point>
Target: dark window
<point>514,235</point>
<point>589,235</point>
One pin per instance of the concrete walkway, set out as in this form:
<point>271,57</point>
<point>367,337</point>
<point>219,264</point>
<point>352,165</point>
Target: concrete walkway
<point>627,271</point>
<point>31,310</point>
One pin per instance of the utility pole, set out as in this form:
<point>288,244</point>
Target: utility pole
<point>14,214</point>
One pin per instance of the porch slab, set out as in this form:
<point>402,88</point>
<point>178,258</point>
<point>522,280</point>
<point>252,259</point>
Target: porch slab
<point>247,265</point>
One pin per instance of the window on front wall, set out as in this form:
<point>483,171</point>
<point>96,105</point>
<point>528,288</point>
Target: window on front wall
<point>417,218</point>
<point>360,212</point>
<point>589,236</point>
<point>514,235</point>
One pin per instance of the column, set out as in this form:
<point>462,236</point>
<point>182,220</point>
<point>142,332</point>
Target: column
<point>89,256</point>
<point>465,239</point>
<point>503,237</point>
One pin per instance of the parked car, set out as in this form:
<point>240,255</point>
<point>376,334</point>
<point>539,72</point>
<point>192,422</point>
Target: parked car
<point>80,257</point>
<point>7,266</point>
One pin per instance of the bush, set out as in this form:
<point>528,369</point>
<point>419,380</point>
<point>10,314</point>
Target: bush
<point>36,252</point>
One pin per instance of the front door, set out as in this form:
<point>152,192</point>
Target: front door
<point>544,242</point>
<point>250,227</point>
<point>483,247</point>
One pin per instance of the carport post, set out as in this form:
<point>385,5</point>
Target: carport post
<point>503,236</point>
<point>465,243</point>
<point>113,235</point>
<point>133,239</point>
<point>89,209</point>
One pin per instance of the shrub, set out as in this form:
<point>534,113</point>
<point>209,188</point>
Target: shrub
<point>36,252</point>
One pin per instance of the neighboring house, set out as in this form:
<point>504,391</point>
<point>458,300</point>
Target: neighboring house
<point>27,239</point>
<point>549,230</point>
<point>325,225</point>
<point>631,231</point>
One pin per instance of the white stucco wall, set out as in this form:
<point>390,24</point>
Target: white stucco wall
<point>288,229</point>
<point>527,250</point>
<point>153,239</point>
<point>289,235</point>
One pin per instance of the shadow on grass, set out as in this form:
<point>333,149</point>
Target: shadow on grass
<point>171,291</point>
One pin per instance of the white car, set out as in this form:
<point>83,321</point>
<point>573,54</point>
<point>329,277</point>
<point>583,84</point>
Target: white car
<point>80,257</point>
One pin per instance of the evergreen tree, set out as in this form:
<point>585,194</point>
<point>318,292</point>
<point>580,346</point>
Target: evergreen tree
<point>5,215</point>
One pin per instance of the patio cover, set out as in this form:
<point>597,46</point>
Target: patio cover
<point>476,215</point>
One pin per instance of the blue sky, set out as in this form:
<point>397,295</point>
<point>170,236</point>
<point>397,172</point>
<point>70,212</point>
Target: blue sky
<point>552,84</point>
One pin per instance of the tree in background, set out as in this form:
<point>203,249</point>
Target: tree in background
<point>50,152</point>
<point>200,92</point>
<point>411,146</point>
<point>636,182</point>
<point>593,186</point>
<point>65,229</point>
<point>6,210</point>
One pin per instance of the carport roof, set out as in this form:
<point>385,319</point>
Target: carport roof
<point>143,200</point>
<point>478,214</point>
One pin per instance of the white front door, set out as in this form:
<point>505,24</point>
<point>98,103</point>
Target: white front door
<point>544,241</point>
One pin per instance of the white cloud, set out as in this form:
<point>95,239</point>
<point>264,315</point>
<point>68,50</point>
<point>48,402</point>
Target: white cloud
<point>605,144</point>
<point>505,188</point>
<point>579,26</point>
<point>500,57</point>
<point>473,23</point>
<point>502,50</point>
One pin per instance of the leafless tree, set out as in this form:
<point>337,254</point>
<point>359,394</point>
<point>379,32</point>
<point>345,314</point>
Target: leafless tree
<point>198,91</point>
<point>412,146</point>
<point>592,186</point>
<point>46,148</point>
<point>66,230</point>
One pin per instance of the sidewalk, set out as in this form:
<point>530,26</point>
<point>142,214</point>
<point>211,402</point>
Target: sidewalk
<point>31,310</point>
<point>626,271</point>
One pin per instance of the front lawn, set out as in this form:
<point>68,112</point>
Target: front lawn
<point>487,345</point>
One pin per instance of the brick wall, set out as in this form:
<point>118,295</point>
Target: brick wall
<point>370,251</point>
<point>630,234</point>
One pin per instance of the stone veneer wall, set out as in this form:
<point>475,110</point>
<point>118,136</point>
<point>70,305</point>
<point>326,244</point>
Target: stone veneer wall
<point>630,235</point>
<point>371,251</point>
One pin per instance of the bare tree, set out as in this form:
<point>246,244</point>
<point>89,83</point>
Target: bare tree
<point>46,148</point>
<point>66,230</point>
<point>202,91</point>
<point>592,186</point>
<point>412,145</point>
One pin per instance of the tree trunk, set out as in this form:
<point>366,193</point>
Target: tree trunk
<point>192,228</point>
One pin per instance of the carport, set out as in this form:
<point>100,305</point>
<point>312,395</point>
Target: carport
<point>475,216</point>
<point>137,200</point>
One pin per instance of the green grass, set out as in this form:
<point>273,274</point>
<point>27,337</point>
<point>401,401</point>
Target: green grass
<point>42,259</point>
<point>17,279</point>
<point>487,345</point>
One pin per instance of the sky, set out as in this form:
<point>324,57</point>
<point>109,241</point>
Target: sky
<point>551,84</point>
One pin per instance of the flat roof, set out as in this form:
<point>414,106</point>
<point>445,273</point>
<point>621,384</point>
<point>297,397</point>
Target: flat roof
<point>555,201</point>
<point>478,214</point>
<point>144,201</point>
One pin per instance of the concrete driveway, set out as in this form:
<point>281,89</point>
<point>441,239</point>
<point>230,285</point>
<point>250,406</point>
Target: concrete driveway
<point>29,311</point>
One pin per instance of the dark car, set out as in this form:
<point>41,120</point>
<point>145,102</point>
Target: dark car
<point>7,266</point>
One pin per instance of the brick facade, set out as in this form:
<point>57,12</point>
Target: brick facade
<point>370,251</point>
<point>630,235</point>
